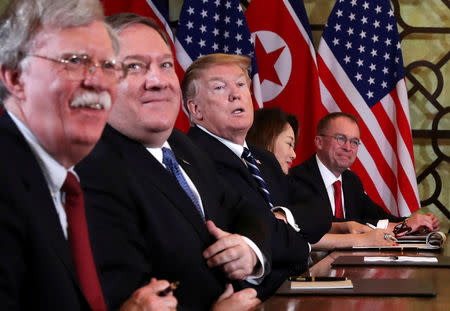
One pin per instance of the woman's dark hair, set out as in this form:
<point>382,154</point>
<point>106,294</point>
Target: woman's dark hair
<point>268,124</point>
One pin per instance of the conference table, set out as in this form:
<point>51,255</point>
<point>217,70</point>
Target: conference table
<point>439,277</point>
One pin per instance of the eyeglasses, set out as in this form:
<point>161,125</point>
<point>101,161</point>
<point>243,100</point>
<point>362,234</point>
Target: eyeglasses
<point>77,66</point>
<point>342,140</point>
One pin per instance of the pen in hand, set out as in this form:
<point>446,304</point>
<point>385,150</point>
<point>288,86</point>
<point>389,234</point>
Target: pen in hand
<point>169,288</point>
<point>386,236</point>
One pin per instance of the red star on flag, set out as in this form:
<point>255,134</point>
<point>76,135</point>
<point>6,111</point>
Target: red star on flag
<point>266,62</point>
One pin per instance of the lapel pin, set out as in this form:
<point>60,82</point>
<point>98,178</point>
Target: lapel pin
<point>185,162</point>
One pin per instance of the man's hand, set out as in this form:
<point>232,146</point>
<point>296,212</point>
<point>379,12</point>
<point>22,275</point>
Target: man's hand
<point>242,300</point>
<point>146,298</point>
<point>374,237</point>
<point>231,253</point>
<point>356,227</point>
<point>428,222</point>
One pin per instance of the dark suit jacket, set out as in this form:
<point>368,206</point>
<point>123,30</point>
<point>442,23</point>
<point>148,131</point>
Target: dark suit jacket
<point>144,225</point>
<point>358,205</point>
<point>36,267</point>
<point>288,246</point>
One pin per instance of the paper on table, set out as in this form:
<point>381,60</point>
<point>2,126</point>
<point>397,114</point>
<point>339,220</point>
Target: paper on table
<point>321,284</point>
<point>400,259</point>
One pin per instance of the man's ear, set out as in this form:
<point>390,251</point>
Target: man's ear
<point>194,110</point>
<point>318,142</point>
<point>13,82</point>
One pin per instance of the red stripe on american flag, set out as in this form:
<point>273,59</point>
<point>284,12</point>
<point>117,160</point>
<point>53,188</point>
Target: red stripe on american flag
<point>406,188</point>
<point>403,123</point>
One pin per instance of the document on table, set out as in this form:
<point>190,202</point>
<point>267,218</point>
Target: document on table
<point>400,259</point>
<point>321,284</point>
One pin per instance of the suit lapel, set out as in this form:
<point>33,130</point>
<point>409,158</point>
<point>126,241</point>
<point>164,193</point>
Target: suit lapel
<point>222,154</point>
<point>317,178</point>
<point>348,202</point>
<point>37,196</point>
<point>152,174</point>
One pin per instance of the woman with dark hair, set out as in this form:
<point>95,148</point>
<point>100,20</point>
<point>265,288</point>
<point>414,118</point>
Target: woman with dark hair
<point>276,131</point>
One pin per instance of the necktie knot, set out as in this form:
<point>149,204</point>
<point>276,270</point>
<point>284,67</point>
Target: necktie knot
<point>246,155</point>
<point>168,158</point>
<point>337,186</point>
<point>71,185</point>
<point>254,171</point>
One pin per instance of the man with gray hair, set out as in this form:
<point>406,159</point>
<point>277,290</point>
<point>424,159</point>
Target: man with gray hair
<point>58,81</point>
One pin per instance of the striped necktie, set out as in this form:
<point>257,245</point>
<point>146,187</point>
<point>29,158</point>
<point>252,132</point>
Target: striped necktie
<point>174,168</point>
<point>254,171</point>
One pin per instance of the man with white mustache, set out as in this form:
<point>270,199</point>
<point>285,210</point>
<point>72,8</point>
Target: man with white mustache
<point>58,78</point>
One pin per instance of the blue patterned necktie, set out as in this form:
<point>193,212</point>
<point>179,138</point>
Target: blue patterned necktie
<point>254,171</point>
<point>174,168</point>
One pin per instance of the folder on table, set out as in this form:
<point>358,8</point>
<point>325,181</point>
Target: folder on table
<point>369,287</point>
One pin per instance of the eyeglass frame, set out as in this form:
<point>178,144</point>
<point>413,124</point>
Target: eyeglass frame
<point>341,139</point>
<point>88,64</point>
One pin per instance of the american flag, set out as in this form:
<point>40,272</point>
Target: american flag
<point>361,72</point>
<point>212,26</point>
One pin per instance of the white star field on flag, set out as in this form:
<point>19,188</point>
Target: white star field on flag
<point>210,26</point>
<point>360,35</point>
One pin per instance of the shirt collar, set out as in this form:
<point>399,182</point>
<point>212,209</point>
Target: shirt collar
<point>327,176</point>
<point>235,148</point>
<point>55,173</point>
<point>157,152</point>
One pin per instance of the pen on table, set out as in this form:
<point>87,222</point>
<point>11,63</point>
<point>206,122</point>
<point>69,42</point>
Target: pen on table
<point>172,286</point>
<point>371,226</point>
<point>318,278</point>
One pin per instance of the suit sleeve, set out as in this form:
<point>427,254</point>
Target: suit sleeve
<point>310,212</point>
<point>371,212</point>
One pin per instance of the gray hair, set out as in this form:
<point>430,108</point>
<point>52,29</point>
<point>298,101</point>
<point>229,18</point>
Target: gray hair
<point>22,20</point>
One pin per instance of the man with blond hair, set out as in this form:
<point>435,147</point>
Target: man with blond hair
<point>216,92</point>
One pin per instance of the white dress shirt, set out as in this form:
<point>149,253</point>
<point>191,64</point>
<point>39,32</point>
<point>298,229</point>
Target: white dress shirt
<point>329,179</point>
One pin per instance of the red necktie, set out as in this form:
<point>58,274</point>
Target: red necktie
<point>338,212</point>
<point>80,244</point>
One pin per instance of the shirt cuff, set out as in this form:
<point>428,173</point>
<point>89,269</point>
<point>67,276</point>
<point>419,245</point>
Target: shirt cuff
<point>257,277</point>
<point>289,217</point>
